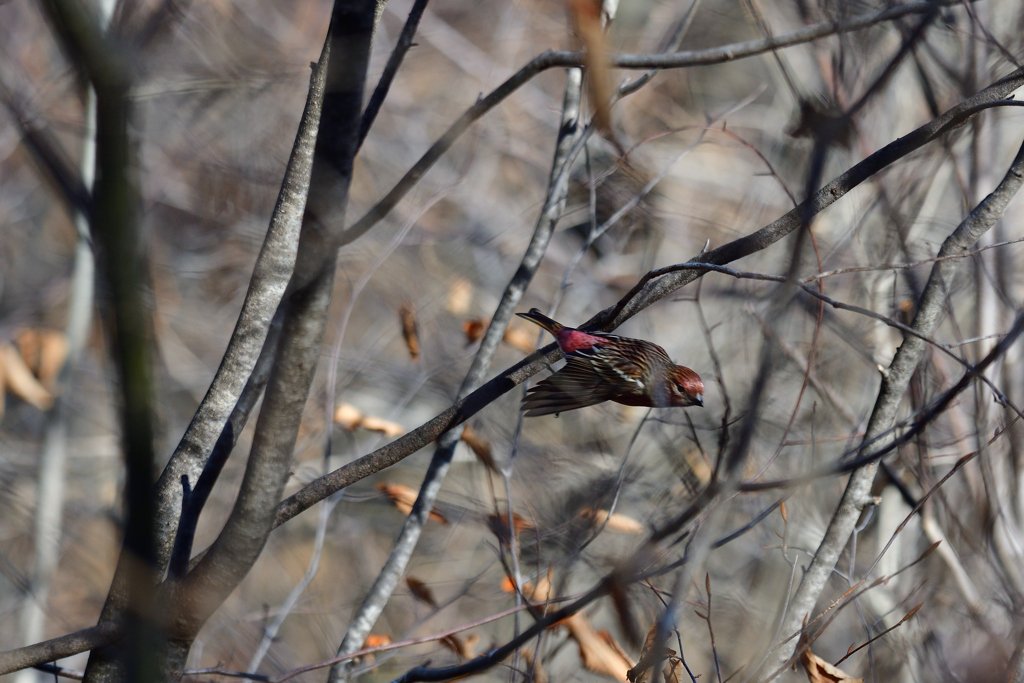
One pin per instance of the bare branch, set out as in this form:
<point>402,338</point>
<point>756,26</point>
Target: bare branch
<point>890,395</point>
<point>676,60</point>
<point>393,569</point>
<point>653,287</point>
<point>242,539</point>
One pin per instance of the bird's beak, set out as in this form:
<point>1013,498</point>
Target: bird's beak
<point>699,398</point>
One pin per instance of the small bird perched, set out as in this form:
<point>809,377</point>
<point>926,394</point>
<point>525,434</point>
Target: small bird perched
<point>604,367</point>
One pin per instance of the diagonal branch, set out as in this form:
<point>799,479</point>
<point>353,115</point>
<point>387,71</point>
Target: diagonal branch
<point>653,287</point>
<point>890,395</point>
<point>380,592</point>
<point>244,534</point>
<point>673,60</point>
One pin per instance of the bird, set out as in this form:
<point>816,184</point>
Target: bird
<point>605,367</point>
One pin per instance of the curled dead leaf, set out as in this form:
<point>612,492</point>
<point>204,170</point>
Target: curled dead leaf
<point>44,352</point>
<point>586,17</point>
<point>641,673</point>
<point>465,648</point>
<point>599,652</point>
<point>538,591</point>
<point>373,640</point>
<point>480,446</point>
<point>820,671</point>
<point>614,521</point>
<point>376,640</point>
<point>403,498</point>
<point>532,669</point>
<point>20,381</point>
<point>420,591</point>
<point>351,418</point>
<point>409,331</point>
<point>473,329</point>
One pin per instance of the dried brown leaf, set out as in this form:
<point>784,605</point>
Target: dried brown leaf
<point>373,640</point>
<point>538,591</point>
<point>820,671</point>
<point>20,380</point>
<point>520,338</point>
<point>586,17</point>
<point>420,591</point>
<point>44,352</point>
<point>403,497</point>
<point>615,521</point>
<point>473,329</point>
<point>532,669</point>
<point>348,416</point>
<point>597,655</point>
<point>515,335</point>
<point>351,418</point>
<point>672,672</point>
<point>376,640</point>
<point>460,296</point>
<point>480,446</point>
<point>376,424</point>
<point>782,509</point>
<point>463,647</point>
<point>407,314</point>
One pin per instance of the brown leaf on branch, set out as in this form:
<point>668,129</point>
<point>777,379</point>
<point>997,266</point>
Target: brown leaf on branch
<point>376,640</point>
<point>586,19</point>
<point>615,521</point>
<point>351,418</point>
<point>538,591</point>
<point>372,640</point>
<point>409,330</point>
<point>19,380</point>
<point>473,329</point>
<point>515,335</point>
<point>641,673</point>
<point>403,498</point>
<point>599,652</point>
<point>820,671</point>
<point>465,648</point>
<point>421,592</point>
<point>532,669</point>
<point>44,352</point>
<point>480,446</point>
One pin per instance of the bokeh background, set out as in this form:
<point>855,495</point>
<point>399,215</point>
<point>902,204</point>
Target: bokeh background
<point>218,92</point>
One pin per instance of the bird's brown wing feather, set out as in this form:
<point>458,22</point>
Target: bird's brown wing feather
<point>626,364</point>
<point>596,374</point>
<point>574,386</point>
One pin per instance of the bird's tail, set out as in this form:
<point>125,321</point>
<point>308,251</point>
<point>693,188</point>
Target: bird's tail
<point>535,316</point>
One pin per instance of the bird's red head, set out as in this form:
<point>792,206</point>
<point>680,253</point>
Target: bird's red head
<point>685,387</point>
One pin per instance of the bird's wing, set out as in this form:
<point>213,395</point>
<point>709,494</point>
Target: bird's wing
<point>626,365</point>
<point>574,386</point>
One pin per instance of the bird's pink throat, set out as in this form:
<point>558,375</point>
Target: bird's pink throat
<point>574,340</point>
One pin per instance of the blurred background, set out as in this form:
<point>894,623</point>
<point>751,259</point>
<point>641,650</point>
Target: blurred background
<point>718,152</point>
